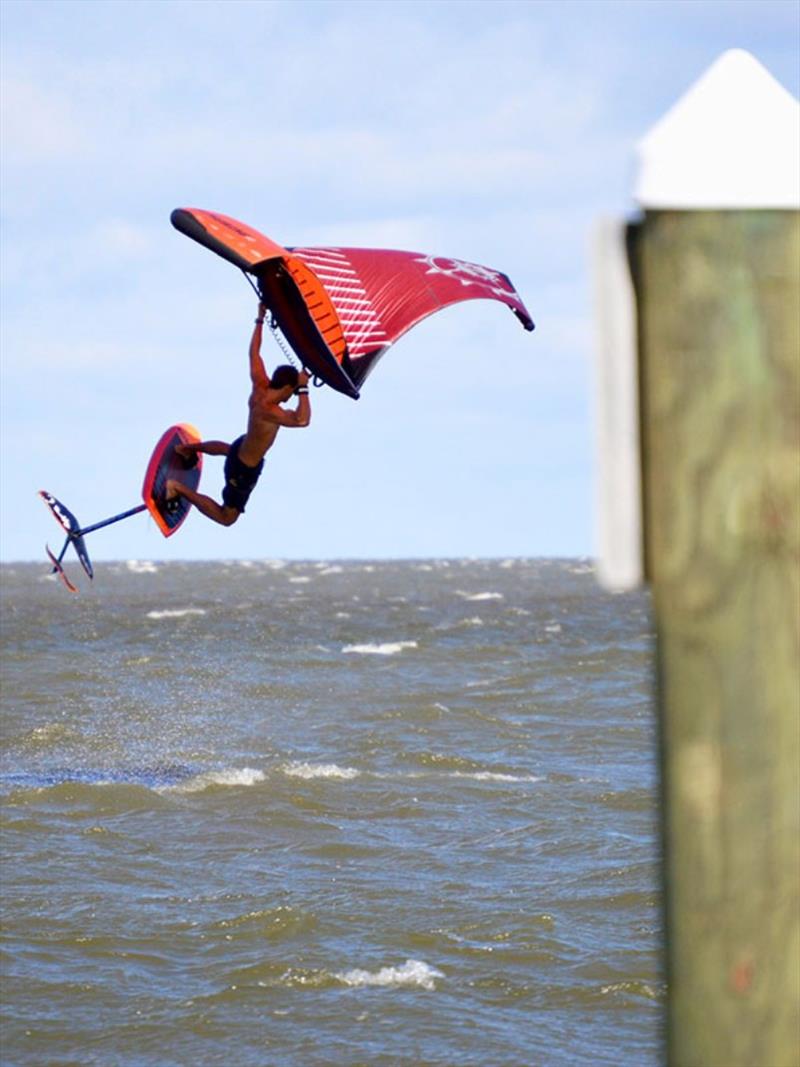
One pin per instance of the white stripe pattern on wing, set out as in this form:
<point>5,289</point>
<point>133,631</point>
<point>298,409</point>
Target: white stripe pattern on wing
<point>360,322</point>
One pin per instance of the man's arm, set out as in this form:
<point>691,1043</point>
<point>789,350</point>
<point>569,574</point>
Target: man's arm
<point>301,416</point>
<point>209,448</point>
<point>258,372</point>
<point>302,412</point>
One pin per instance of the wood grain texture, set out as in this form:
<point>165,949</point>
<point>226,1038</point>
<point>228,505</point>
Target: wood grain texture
<point>719,328</point>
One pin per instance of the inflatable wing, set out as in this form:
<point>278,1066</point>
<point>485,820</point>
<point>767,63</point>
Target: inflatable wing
<point>341,308</point>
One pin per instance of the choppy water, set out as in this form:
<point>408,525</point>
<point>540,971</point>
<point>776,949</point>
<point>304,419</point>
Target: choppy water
<point>310,813</point>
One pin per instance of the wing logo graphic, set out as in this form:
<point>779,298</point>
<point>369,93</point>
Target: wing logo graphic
<point>466,273</point>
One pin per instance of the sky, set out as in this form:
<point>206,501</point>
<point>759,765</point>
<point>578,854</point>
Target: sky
<point>495,132</point>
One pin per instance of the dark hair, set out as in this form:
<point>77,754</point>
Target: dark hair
<point>284,375</point>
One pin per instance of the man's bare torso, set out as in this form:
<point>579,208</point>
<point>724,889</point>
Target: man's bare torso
<point>262,427</point>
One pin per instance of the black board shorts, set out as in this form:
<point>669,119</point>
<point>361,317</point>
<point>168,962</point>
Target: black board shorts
<point>240,480</point>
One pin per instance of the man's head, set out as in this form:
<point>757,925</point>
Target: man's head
<point>284,376</point>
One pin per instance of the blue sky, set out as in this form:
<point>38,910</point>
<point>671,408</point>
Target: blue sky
<point>488,131</point>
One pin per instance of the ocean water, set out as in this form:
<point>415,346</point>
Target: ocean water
<point>390,813</point>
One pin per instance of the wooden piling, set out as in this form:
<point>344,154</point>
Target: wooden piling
<point>719,350</point>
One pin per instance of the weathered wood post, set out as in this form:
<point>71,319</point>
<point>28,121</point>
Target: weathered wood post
<point>715,264</point>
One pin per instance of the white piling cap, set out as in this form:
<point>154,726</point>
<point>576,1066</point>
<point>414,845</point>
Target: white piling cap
<point>731,141</point>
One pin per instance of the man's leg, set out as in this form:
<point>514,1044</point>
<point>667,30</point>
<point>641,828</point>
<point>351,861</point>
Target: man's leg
<point>220,513</point>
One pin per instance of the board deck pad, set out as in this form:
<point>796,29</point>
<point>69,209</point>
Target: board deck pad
<point>165,463</point>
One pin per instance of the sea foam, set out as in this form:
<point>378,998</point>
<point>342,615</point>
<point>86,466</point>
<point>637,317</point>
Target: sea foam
<point>412,973</point>
<point>141,566</point>
<point>388,648</point>
<point>319,770</point>
<point>494,776</point>
<point>175,613</point>
<point>232,776</point>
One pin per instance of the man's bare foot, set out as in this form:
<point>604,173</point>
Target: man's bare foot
<point>172,489</point>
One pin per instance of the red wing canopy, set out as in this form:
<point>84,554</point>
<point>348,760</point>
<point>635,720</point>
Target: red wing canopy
<point>341,308</point>
<point>380,294</point>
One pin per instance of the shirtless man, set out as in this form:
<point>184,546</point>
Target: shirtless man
<point>245,456</point>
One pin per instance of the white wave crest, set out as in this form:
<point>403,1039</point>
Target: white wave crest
<point>412,973</point>
<point>479,596</point>
<point>175,613</point>
<point>49,733</point>
<point>494,776</point>
<point>141,566</point>
<point>319,770</point>
<point>389,648</point>
<point>233,776</point>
